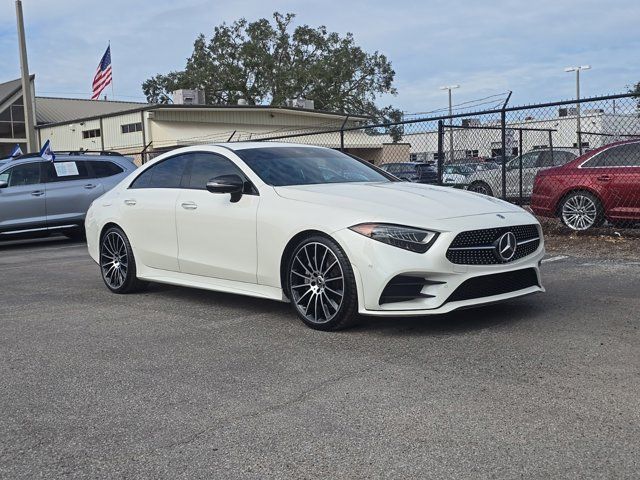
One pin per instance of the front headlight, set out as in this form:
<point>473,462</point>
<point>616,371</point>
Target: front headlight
<point>408,238</point>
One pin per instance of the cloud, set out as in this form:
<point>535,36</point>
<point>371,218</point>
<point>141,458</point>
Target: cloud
<point>487,47</point>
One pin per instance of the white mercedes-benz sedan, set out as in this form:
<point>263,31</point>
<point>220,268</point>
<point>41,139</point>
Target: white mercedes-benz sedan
<point>330,233</point>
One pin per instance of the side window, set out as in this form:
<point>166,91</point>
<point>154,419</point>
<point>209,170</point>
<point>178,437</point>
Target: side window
<point>529,160</point>
<point>621,156</point>
<point>104,168</point>
<point>20,175</point>
<point>65,171</point>
<point>166,174</point>
<point>205,166</point>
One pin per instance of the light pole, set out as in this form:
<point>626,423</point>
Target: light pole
<point>578,128</point>
<point>449,88</point>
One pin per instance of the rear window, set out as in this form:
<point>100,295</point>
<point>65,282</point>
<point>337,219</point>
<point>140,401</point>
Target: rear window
<point>104,168</point>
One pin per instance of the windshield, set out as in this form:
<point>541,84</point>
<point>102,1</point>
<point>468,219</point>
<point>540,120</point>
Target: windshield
<point>282,166</point>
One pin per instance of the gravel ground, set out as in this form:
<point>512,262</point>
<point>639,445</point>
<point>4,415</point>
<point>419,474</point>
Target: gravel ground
<point>177,383</point>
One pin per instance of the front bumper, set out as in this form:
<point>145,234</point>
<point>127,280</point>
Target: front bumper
<point>375,264</point>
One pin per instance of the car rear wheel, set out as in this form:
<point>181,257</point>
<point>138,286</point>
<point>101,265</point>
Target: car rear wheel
<point>321,284</point>
<point>481,187</point>
<point>117,264</point>
<point>581,211</point>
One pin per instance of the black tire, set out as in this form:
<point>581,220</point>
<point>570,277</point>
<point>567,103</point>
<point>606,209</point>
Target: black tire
<point>117,263</point>
<point>481,187</point>
<point>581,211</point>
<point>313,283</point>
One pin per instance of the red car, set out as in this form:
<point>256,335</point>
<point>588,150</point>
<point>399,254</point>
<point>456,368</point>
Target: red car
<point>603,184</point>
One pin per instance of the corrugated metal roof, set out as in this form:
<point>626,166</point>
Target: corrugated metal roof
<point>57,110</point>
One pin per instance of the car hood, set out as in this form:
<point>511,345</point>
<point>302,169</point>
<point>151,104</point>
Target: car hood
<point>397,199</point>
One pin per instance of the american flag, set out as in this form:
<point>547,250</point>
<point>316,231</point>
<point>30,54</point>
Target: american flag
<point>103,74</point>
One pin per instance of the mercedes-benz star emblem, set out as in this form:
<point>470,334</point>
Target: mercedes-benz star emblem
<point>506,247</point>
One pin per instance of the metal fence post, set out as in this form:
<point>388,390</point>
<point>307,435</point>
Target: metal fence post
<point>503,131</point>
<point>342,133</point>
<point>440,149</point>
<point>520,164</point>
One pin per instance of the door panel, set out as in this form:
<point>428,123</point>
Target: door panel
<point>217,238</point>
<point>148,213</point>
<point>22,203</point>
<point>148,218</point>
<point>69,196</point>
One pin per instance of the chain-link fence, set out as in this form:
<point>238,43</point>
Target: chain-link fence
<point>576,165</point>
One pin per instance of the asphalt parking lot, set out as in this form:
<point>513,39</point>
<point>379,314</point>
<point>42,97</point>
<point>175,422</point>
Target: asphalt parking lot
<point>179,383</point>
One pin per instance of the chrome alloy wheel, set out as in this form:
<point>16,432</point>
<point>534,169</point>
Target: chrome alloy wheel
<point>317,282</point>
<point>579,212</point>
<point>114,261</point>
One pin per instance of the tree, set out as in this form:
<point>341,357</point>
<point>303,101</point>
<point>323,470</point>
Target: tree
<point>267,63</point>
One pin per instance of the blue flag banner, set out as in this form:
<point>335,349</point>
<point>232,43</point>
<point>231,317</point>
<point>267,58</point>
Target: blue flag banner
<point>47,152</point>
<point>17,151</point>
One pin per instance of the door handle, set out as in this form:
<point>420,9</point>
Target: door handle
<point>130,202</point>
<point>604,178</point>
<point>89,186</point>
<point>189,205</point>
<point>37,193</point>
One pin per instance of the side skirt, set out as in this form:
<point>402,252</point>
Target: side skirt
<point>210,283</point>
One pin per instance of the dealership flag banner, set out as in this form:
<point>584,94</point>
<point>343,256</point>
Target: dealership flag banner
<point>47,152</point>
<point>103,75</point>
<point>17,151</point>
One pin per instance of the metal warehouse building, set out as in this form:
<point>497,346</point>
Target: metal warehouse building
<point>133,128</point>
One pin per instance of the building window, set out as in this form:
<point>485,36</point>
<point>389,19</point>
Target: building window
<point>12,121</point>
<point>471,153</point>
<point>584,144</point>
<point>91,133</point>
<point>131,127</point>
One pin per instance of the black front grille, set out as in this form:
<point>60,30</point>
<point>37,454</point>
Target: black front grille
<point>402,288</point>
<point>477,247</point>
<point>494,284</point>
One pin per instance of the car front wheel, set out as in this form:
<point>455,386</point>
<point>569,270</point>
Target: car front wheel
<point>481,187</point>
<point>321,284</point>
<point>117,264</point>
<point>581,211</point>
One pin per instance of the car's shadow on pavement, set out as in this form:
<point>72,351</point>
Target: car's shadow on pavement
<point>18,244</point>
<point>453,323</point>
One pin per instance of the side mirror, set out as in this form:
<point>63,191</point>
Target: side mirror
<point>232,184</point>
<point>3,184</point>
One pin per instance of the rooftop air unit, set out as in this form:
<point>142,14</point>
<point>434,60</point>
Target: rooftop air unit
<point>188,97</point>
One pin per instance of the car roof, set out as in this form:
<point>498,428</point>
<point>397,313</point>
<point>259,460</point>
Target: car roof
<point>5,162</point>
<point>246,145</point>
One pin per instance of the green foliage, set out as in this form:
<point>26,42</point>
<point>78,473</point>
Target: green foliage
<point>267,63</point>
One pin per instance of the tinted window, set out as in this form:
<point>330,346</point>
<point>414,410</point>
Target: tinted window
<point>621,156</point>
<point>25,174</point>
<point>166,174</point>
<point>280,166</point>
<point>63,171</point>
<point>103,169</point>
<point>529,160</point>
<point>205,166</point>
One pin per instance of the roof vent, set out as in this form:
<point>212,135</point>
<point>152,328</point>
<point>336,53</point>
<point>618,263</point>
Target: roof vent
<point>300,103</point>
<point>188,97</point>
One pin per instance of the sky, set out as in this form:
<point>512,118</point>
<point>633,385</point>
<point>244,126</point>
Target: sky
<point>486,46</point>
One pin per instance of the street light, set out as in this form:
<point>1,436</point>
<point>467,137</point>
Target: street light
<point>449,88</point>
<point>577,70</point>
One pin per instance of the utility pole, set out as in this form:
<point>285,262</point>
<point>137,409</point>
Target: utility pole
<point>578,127</point>
<point>449,88</point>
<point>27,97</point>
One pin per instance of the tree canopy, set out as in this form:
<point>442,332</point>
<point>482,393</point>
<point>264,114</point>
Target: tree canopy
<point>268,62</point>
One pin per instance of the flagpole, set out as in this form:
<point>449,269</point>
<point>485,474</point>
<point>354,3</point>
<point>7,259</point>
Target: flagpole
<point>113,95</point>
